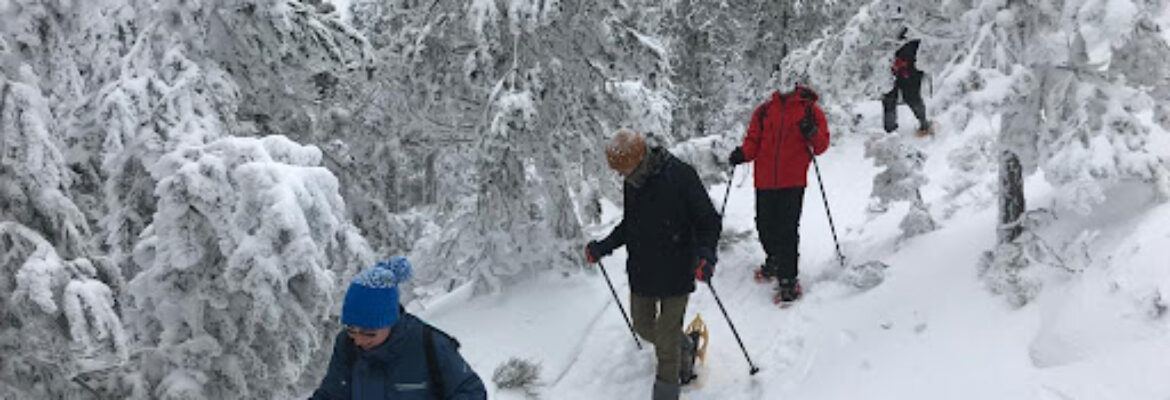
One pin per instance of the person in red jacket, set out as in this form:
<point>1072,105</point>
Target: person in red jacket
<point>782,137</point>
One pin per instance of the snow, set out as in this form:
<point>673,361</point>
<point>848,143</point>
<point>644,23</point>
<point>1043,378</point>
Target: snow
<point>1101,23</point>
<point>221,247</point>
<point>480,13</point>
<point>929,330</point>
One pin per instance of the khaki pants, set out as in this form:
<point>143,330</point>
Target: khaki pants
<point>659,320</point>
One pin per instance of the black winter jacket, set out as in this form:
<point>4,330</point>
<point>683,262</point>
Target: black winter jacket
<point>908,51</point>
<point>667,223</point>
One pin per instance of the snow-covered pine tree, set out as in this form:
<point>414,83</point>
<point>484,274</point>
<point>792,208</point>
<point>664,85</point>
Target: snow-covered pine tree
<point>59,320</point>
<point>1068,110</point>
<point>529,91</point>
<point>162,100</point>
<point>34,180</point>
<point>240,271</point>
<point>1057,85</point>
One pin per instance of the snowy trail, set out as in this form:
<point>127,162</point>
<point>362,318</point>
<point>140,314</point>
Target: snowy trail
<point>930,330</point>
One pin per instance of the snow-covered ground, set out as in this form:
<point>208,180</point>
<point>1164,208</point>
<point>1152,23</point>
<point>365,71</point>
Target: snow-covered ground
<point>929,331</point>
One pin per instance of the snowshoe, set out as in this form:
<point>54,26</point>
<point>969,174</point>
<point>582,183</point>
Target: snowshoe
<point>925,130</point>
<point>788,292</point>
<point>762,277</point>
<point>694,347</point>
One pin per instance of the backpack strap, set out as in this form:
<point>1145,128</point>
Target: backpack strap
<point>437,383</point>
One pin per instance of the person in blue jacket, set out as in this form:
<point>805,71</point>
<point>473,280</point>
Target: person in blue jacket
<point>386,353</point>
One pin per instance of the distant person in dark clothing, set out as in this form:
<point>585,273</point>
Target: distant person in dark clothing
<point>908,82</point>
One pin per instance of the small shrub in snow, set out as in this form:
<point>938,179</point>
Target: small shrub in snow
<point>1002,272</point>
<point>900,181</point>
<point>1018,269</point>
<point>1158,306</point>
<point>518,374</point>
<point>864,276</point>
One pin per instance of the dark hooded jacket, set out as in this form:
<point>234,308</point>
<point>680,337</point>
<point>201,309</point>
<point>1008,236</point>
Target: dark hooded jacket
<point>905,60</point>
<point>667,223</point>
<point>397,369</point>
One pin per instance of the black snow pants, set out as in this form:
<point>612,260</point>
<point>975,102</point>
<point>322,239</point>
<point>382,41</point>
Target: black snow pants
<point>778,223</point>
<point>911,90</point>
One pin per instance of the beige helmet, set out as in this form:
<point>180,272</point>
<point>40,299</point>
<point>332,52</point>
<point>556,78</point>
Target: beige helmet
<point>625,151</point>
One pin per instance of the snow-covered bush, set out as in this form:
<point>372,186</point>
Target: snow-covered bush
<point>970,181</point>
<point>240,271</point>
<point>900,181</point>
<point>1018,269</point>
<point>864,276</point>
<point>518,374</point>
<point>709,157</point>
<point>156,105</point>
<point>58,321</point>
<point>34,178</point>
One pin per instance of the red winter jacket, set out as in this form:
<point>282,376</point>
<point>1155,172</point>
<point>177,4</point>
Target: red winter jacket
<point>777,147</point>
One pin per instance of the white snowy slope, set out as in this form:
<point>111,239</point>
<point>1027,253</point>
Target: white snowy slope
<point>929,331</point>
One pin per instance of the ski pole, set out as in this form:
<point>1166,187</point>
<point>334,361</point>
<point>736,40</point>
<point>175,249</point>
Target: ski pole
<point>825,198</point>
<point>730,178</point>
<point>619,304</point>
<point>753,368</point>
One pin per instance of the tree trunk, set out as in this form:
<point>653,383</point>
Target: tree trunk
<point>1011,196</point>
<point>431,179</point>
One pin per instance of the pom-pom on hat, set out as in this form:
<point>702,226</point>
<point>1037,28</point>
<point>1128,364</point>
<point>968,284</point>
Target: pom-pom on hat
<point>371,302</point>
<point>626,150</point>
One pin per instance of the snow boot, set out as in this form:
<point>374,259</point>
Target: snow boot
<point>925,130</point>
<point>890,111</point>
<point>686,368</point>
<point>788,291</point>
<point>666,390</point>
<point>764,274</point>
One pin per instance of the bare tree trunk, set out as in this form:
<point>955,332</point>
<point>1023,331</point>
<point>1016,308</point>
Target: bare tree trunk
<point>1011,196</point>
<point>430,182</point>
<point>3,104</point>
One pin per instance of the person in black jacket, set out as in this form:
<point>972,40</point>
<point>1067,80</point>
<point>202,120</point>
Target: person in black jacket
<point>908,82</point>
<point>670,229</point>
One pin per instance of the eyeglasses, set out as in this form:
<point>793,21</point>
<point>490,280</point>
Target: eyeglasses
<point>367,333</point>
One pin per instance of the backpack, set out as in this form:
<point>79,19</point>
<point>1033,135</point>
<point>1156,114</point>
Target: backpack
<point>901,67</point>
<point>438,385</point>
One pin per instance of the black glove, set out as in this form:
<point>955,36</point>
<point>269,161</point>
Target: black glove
<point>593,252</point>
<point>706,268</point>
<point>808,127</point>
<point>736,157</point>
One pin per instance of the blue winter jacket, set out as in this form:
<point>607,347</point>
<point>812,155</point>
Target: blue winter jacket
<point>397,369</point>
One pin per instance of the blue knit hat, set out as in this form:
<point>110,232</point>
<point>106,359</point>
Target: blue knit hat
<point>372,299</point>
